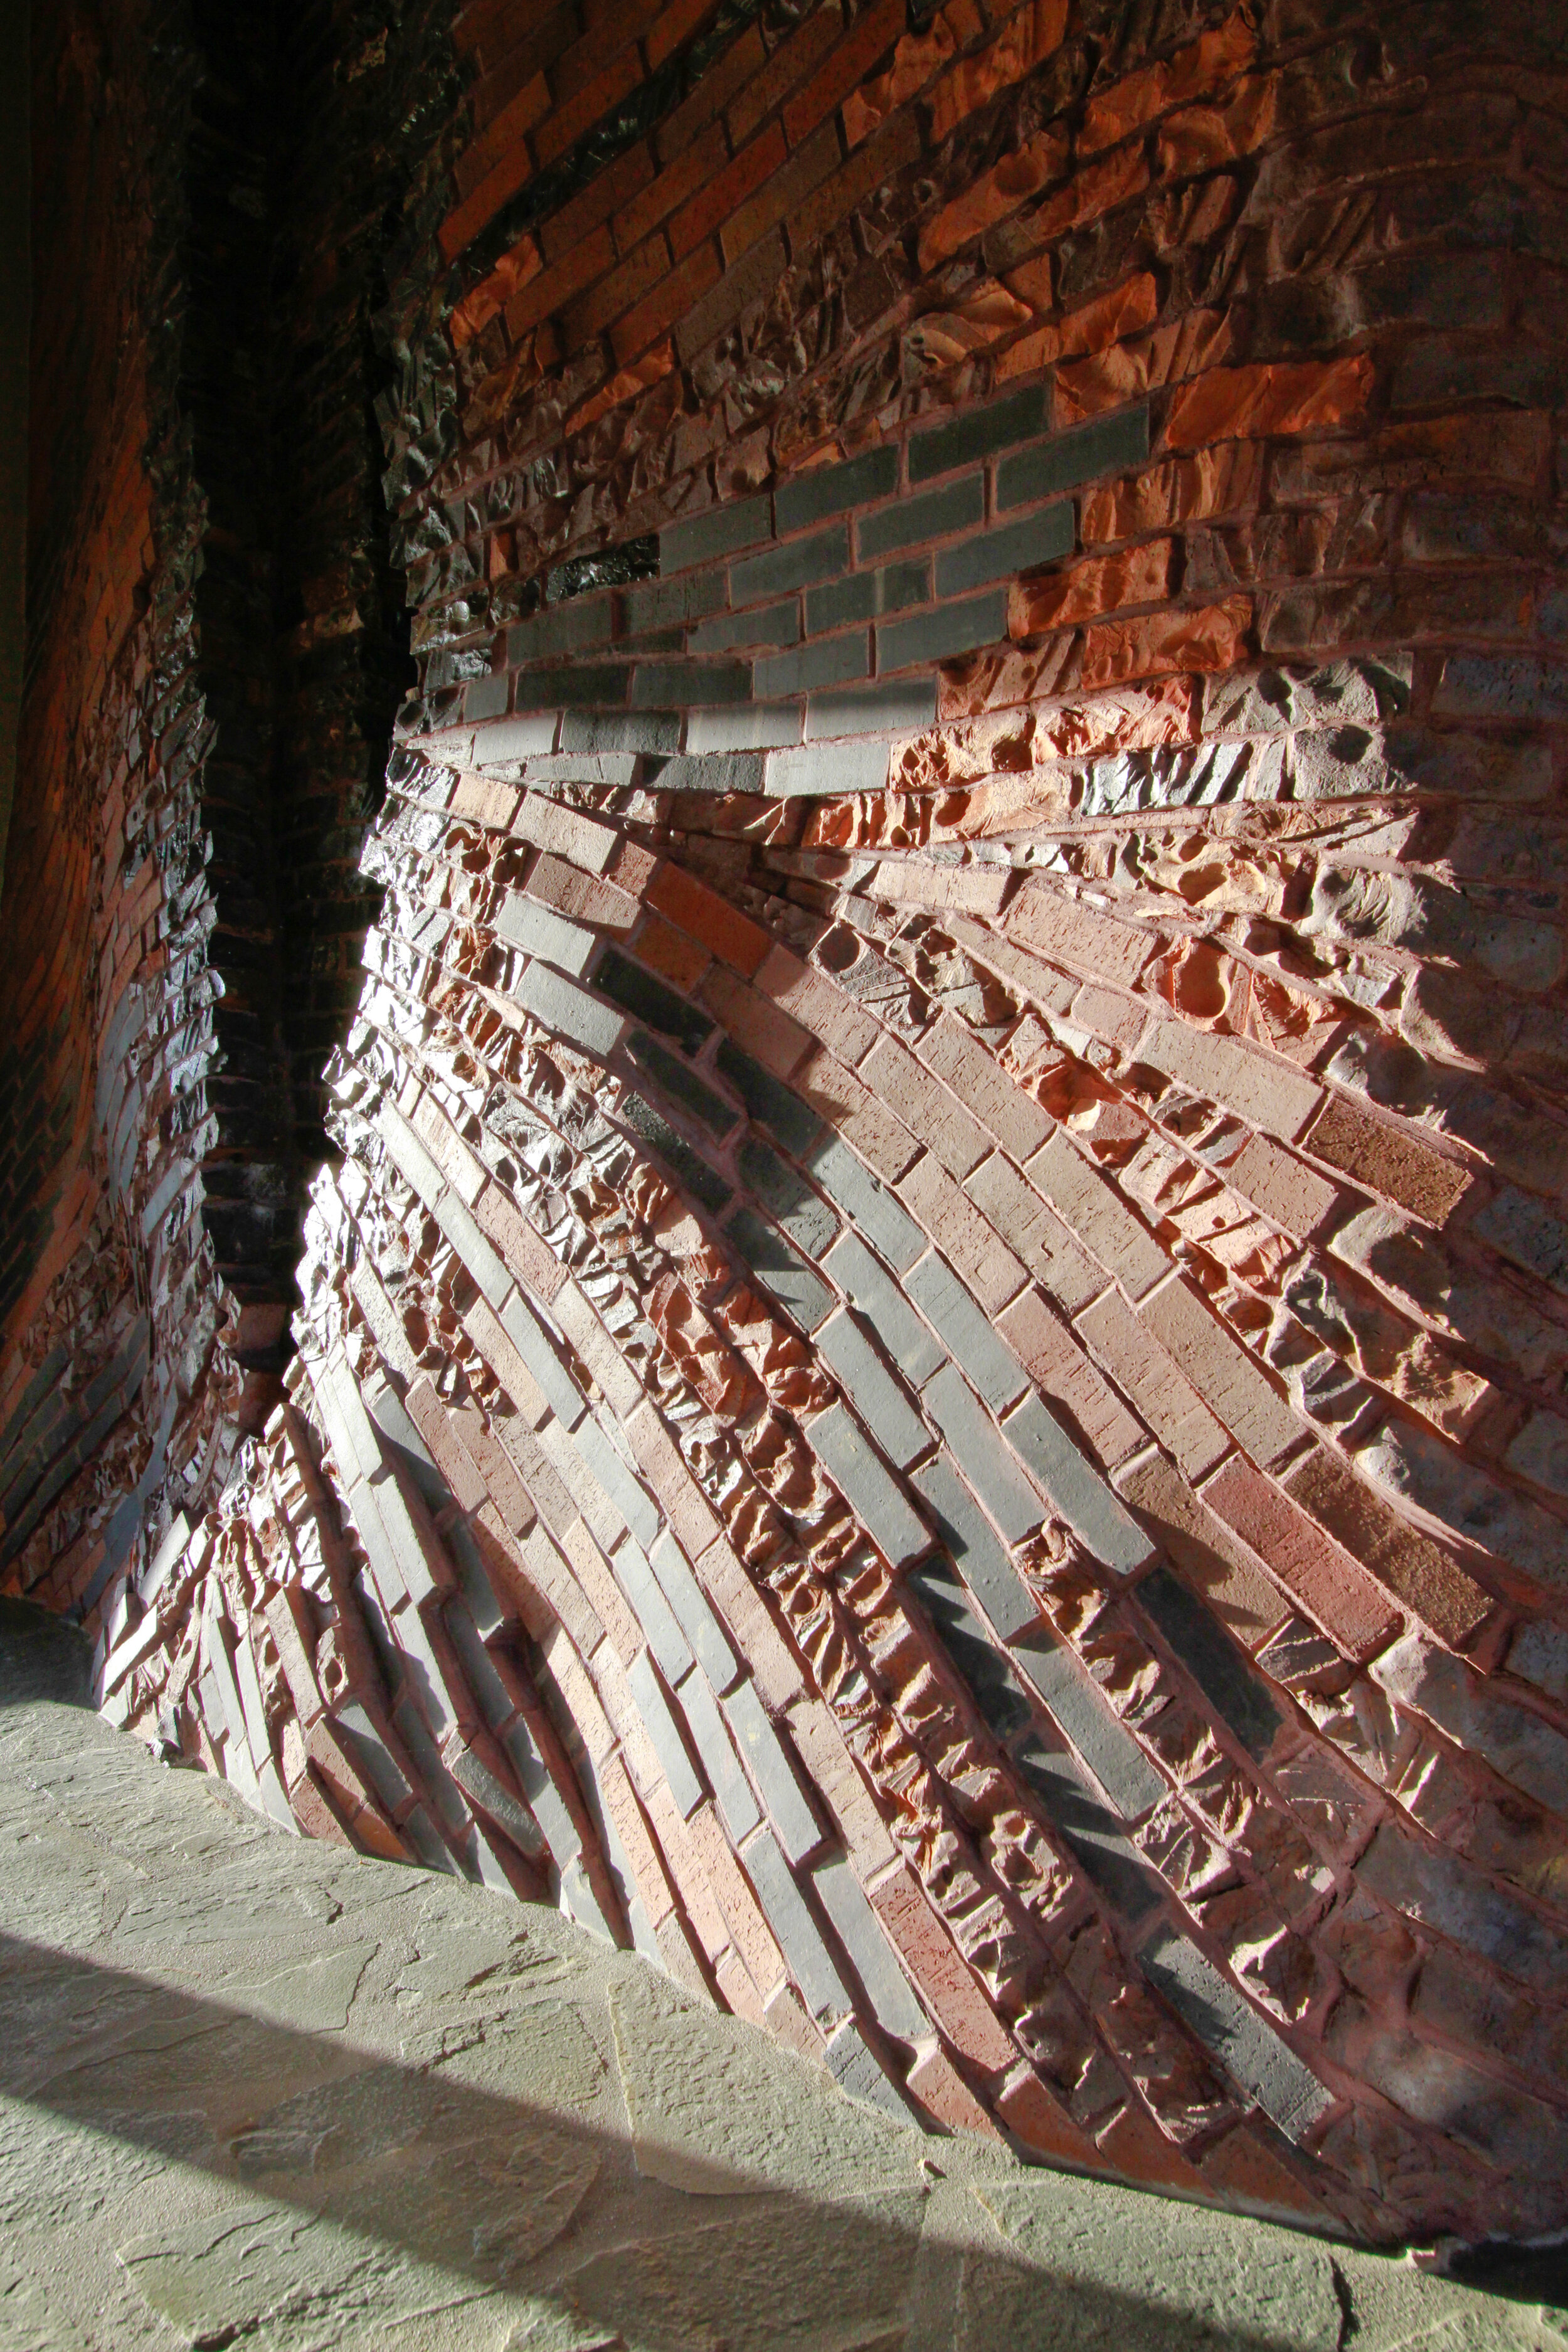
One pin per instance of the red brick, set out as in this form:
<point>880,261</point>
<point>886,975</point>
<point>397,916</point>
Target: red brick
<point>877,30</point>
<point>696,910</point>
<point>1201,138</point>
<point>1033,2116</point>
<point>556,285</point>
<point>1214,638</point>
<point>753,1937</point>
<point>785,195</point>
<point>1062,1372</point>
<point>778,1042</point>
<point>1376,1153</point>
<point>662,196</point>
<point>668,302</point>
<point>615,293</point>
<point>1130,370</point>
<point>565,124</point>
<point>498,187</point>
<point>1229,404</point>
<point>1416,1571</point>
<point>789,65</point>
<point>1331,1586</point>
<point>723,192</point>
<point>949,1990</point>
<point>1032,35</point>
<point>739,65</point>
<point>507,130</point>
<point>1103,585</point>
<point>1139,2150</point>
<point>1246,2173</point>
<point>992,196</point>
<point>875,165</point>
<point>671,27</point>
<point>612,195</point>
<point>1195,72</point>
<point>670,951</point>
<point>933,2081</point>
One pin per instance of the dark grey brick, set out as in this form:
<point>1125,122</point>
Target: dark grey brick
<point>1077,1490</point>
<point>709,1641</point>
<point>979,432</point>
<point>671,603</point>
<point>1238,1697</point>
<point>822,1986</point>
<point>644,730</point>
<point>781,1269</point>
<point>857,2073</point>
<point>627,1497</point>
<point>494,1698</point>
<point>654,1613</point>
<point>881,709</point>
<point>867,1282</point>
<point>670,1747</point>
<point>1502,685</point>
<point>775,624</point>
<point>681,1084</point>
<point>496,1801</point>
<point>1527,1234</point>
<point>983,1459</point>
<point>1451,1895</point>
<point>721,530</point>
<point>791,1817</point>
<point>487,698</point>
<point>712,772</point>
<point>981,1561</point>
<point>951,1311</point>
<point>570,1011</point>
<point>1007,550</point>
<point>648,999</point>
<point>803,1214</point>
<point>862,595</point>
<point>951,629</point>
<point>1102,447</point>
<point>1109,1858</point>
<point>826,661</point>
<point>794,1121</point>
<point>585,683</point>
<point>1245,2043</point>
<point>736,1802</point>
<point>998,1692</point>
<point>957,506</point>
<point>704,1184</point>
<point>565,629</point>
<point>860,1932</point>
<point>868,1487</point>
<point>871,1209</point>
<point>659,685</point>
<point>873,1391</point>
<point>1111,1752</point>
<point>833,490</point>
<point>795,566</point>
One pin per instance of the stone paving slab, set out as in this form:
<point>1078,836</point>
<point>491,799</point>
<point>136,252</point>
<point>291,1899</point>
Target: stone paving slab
<point>255,2089</point>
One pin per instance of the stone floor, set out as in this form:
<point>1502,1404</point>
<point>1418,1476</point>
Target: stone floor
<point>254,2091</point>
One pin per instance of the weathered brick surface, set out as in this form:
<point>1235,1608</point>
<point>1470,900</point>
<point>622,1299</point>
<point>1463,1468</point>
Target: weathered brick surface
<point>931,1370</point>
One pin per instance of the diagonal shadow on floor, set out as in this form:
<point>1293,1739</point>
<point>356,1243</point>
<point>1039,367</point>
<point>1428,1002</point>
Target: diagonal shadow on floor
<point>508,2194</point>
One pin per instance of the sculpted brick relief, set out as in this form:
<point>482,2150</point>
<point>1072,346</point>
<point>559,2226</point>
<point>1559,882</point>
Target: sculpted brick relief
<point>929,1379</point>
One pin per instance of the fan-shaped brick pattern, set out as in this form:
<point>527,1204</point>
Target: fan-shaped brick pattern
<point>931,1383</point>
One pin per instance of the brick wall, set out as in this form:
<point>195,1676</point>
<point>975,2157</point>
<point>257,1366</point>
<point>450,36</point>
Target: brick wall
<point>930,1375</point>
